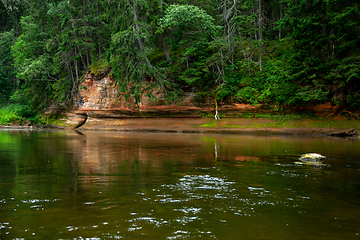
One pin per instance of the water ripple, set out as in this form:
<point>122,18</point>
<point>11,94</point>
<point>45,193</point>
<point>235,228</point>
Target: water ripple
<point>199,184</point>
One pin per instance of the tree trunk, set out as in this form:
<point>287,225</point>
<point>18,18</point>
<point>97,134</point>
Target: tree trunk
<point>279,20</point>
<point>165,46</point>
<point>98,26</point>
<point>137,28</point>
<point>44,6</point>
<point>76,67</point>
<point>217,117</point>
<point>260,35</point>
<point>85,22</point>
<point>166,51</point>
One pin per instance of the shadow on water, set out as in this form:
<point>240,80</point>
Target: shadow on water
<point>106,185</point>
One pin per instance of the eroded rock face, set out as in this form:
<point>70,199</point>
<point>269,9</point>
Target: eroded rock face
<point>99,94</point>
<point>75,120</point>
<point>100,97</point>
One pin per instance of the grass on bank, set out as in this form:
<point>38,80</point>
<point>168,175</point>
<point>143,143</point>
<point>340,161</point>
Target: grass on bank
<point>248,120</point>
<point>17,114</point>
<point>22,115</point>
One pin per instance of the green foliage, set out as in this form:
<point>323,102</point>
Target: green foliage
<point>187,17</point>
<point>193,66</point>
<point>209,125</point>
<point>15,113</point>
<point>325,59</point>
<point>269,86</point>
<point>7,115</point>
<point>191,31</point>
<point>99,66</point>
<point>230,86</point>
<point>7,71</point>
<point>309,51</point>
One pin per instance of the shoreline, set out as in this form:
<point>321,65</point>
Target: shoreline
<point>227,126</point>
<point>240,126</point>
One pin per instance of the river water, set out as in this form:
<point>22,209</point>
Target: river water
<point>111,185</point>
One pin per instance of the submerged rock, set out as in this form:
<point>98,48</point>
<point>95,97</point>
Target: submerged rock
<point>312,159</point>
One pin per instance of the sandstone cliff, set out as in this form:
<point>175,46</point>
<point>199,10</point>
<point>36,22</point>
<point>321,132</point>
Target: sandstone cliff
<point>100,97</point>
<point>101,102</point>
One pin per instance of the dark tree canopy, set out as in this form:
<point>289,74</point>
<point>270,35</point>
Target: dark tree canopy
<point>253,51</point>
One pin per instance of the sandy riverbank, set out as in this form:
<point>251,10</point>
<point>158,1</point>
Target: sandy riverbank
<point>326,127</point>
<point>227,126</point>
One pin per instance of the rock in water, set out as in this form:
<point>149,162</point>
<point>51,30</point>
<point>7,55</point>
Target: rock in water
<point>311,157</point>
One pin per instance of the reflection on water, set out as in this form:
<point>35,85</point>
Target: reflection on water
<point>108,185</point>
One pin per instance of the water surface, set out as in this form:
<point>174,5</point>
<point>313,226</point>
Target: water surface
<point>110,185</point>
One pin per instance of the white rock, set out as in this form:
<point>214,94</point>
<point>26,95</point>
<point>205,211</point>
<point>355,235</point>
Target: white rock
<point>311,156</point>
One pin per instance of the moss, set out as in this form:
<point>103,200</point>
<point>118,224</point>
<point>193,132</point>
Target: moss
<point>54,119</point>
<point>231,126</point>
<point>330,123</point>
<point>209,125</point>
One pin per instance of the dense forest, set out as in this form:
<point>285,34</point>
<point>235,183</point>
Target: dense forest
<point>286,52</point>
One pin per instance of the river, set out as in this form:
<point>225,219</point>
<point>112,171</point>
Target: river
<point>114,185</point>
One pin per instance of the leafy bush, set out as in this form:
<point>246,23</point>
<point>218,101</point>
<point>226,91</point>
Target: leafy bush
<point>16,114</point>
<point>230,86</point>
